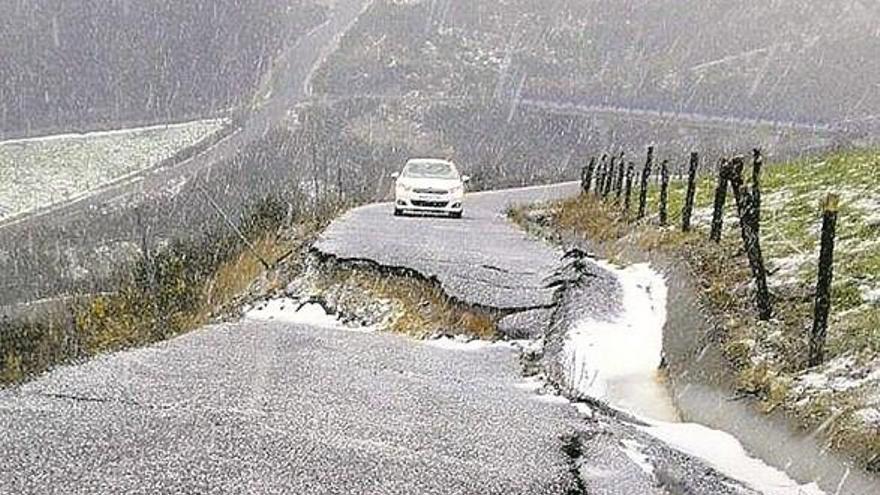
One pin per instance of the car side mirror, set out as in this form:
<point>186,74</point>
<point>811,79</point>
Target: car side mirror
<point>465,178</point>
<point>395,175</point>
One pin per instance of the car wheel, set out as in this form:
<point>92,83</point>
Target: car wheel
<point>398,212</point>
<point>455,214</point>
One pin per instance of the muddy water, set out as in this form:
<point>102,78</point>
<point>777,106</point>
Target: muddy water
<point>773,440</point>
<point>645,396</point>
<point>616,359</point>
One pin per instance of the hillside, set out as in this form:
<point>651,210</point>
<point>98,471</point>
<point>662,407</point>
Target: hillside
<point>88,64</point>
<point>789,60</point>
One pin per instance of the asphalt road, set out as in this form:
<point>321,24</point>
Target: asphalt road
<point>269,407</point>
<point>47,253</point>
<point>481,259</point>
<point>257,407</point>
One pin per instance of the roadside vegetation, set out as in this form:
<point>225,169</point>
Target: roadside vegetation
<point>167,292</point>
<point>167,277</point>
<point>838,400</point>
<point>287,185</point>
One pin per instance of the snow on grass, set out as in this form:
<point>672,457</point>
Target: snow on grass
<point>871,295</point>
<point>844,375</point>
<point>617,362</point>
<point>791,224</point>
<point>870,415</point>
<point>38,172</point>
<point>840,374</point>
<point>785,270</point>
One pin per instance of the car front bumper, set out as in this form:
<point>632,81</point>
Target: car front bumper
<point>438,203</point>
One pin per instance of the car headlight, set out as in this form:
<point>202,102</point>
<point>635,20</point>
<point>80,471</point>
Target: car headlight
<point>404,187</point>
<point>457,190</point>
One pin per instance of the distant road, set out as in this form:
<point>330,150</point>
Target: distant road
<point>690,117</point>
<point>35,249</point>
<point>290,81</point>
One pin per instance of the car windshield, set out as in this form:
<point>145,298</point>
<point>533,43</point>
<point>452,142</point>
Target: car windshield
<point>430,170</point>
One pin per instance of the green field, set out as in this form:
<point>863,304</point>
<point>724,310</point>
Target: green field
<point>839,400</point>
<point>790,229</point>
<point>39,172</point>
<point>841,396</point>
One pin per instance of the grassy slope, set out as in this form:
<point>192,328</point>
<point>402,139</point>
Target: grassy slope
<point>419,307</point>
<point>790,237</point>
<point>840,399</point>
<point>176,289</point>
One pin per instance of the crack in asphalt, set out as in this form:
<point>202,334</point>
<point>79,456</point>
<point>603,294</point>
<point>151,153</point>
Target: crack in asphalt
<point>431,279</point>
<point>484,260</point>
<point>572,447</point>
<point>509,271</point>
<point>99,400</point>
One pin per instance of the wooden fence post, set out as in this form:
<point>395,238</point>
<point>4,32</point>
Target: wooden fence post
<point>823,286</point>
<point>630,172</point>
<point>646,174</point>
<point>748,221</point>
<point>664,192</point>
<point>757,164</point>
<point>600,177</point>
<point>587,175</point>
<point>618,187</point>
<point>609,178</point>
<point>720,199</point>
<point>688,209</point>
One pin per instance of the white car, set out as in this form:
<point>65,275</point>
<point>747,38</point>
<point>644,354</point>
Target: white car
<point>431,186</point>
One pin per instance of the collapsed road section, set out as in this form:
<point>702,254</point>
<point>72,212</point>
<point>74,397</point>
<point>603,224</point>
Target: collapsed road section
<point>485,261</point>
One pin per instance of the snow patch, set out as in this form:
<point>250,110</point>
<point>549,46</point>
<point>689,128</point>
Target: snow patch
<point>785,270</point>
<point>460,343</point>
<point>40,172</point>
<point>871,295</point>
<point>531,384</point>
<point>113,132</point>
<point>869,416</point>
<point>840,374</point>
<point>618,360</point>
<point>288,310</point>
<point>634,450</point>
<point>870,207</point>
